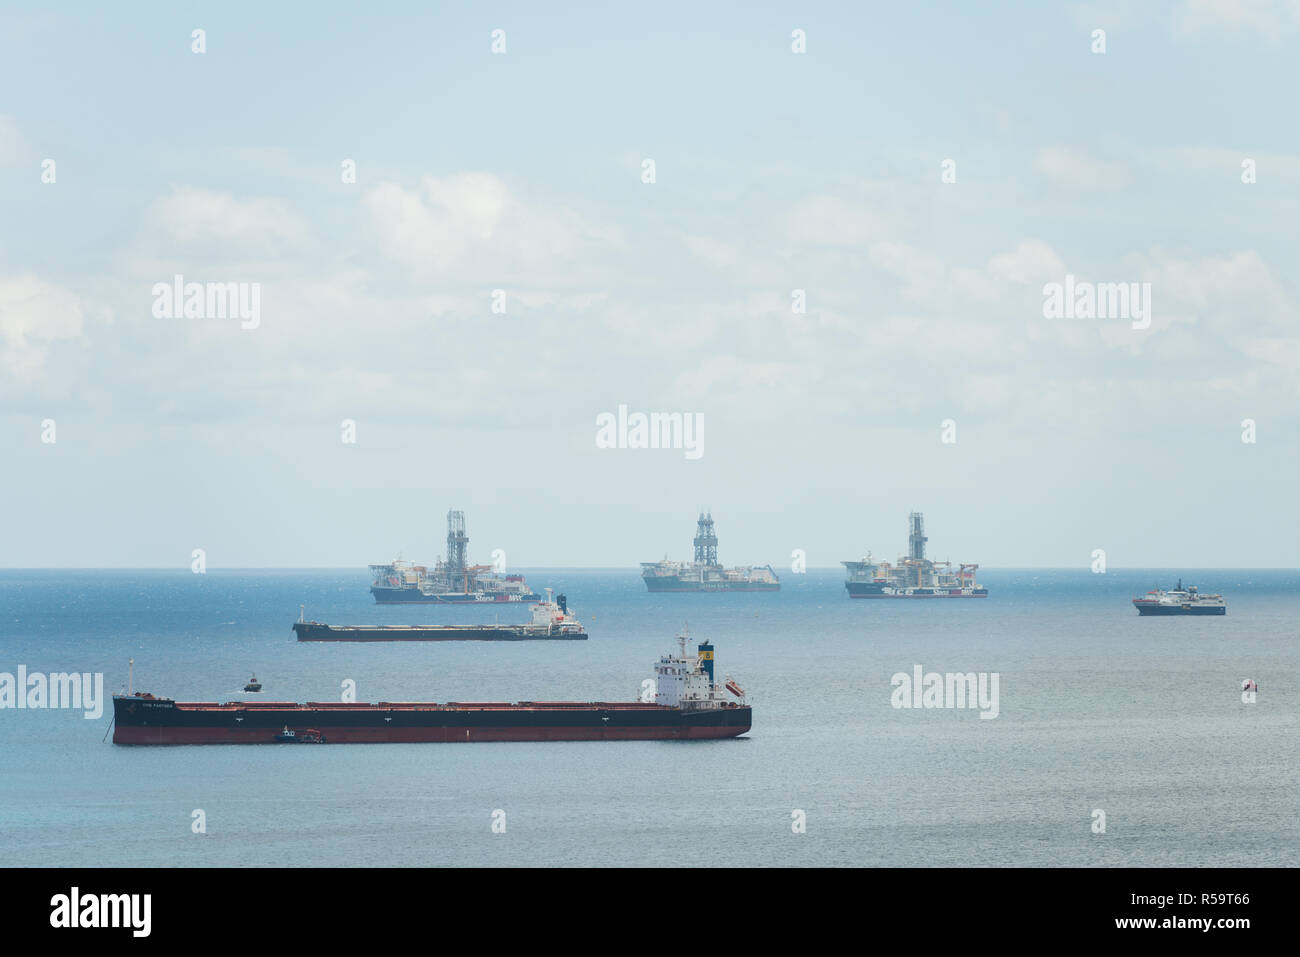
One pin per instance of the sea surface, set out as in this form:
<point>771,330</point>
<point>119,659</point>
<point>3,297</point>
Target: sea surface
<point>1099,710</point>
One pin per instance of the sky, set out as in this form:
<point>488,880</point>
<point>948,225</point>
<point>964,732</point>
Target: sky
<point>500,273</point>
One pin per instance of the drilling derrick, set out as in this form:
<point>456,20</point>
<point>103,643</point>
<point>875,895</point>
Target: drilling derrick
<point>916,540</point>
<point>457,545</point>
<point>706,543</point>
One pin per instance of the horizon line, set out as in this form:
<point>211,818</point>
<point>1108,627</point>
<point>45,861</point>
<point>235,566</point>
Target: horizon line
<point>600,568</point>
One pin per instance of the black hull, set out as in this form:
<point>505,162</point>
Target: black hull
<point>315,631</point>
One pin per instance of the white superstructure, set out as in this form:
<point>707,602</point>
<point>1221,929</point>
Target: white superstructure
<point>686,681</point>
<point>553,618</point>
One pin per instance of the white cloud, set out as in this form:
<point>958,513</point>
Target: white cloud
<point>712,252</point>
<point>1076,169</point>
<point>1192,18</point>
<point>1032,261</point>
<point>33,315</point>
<point>434,227</point>
<point>471,225</point>
<point>1111,15</point>
<point>835,221</point>
<point>1235,294</point>
<point>220,223</point>
<point>1228,161</point>
<point>1266,17</point>
<point>12,146</point>
<point>357,334</point>
<point>912,266</point>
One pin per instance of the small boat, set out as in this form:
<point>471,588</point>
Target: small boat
<point>253,684</point>
<point>305,736</point>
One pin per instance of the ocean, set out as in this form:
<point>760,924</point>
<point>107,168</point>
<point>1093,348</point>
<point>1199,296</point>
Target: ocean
<point>1099,710</point>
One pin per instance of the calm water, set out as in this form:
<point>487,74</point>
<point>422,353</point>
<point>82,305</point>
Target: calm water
<point>1100,709</point>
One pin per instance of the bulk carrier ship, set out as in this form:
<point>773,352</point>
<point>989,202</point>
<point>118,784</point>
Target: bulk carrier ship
<point>451,581</point>
<point>914,576</point>
<point>705,573</point>
<point>687,704</point>
<point>551,622</point>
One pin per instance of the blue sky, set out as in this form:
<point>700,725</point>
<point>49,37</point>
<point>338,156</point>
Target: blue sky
<point>774,172</point>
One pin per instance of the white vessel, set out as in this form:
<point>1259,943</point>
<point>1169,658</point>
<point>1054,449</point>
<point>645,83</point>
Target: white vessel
<point>1180,601</point>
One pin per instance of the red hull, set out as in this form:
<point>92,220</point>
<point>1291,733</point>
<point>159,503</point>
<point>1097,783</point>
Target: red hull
<point>157,735</point>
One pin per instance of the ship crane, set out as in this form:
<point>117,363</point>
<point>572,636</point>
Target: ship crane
<point>473,571</point>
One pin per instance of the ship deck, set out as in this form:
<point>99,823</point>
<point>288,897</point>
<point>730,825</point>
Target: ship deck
<point>513,627</point>
<point>337,706</point>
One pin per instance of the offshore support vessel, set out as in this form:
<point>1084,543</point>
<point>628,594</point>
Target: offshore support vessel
<point>551,622</point>
<point>687,704</point>
<point>915,576</point>
<point>453,580</point>
<point>1180,602</point>
<point>705,573</point>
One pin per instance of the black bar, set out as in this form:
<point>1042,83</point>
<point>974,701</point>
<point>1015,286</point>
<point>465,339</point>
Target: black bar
<point>330,907</point>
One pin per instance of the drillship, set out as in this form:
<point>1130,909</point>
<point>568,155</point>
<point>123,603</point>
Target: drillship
<point>551,622</point>
<point>1180,602</point>
<point>705,574</point>
<point>453,580</point>
<point>914,576</point>
<point>687,703</point>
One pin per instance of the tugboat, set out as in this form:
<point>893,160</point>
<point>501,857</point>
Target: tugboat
<point>253,684</point>
<point>306,736</point>
<point>1180,601</point>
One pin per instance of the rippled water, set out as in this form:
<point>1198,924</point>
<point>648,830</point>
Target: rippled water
<point>1099,709</point>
